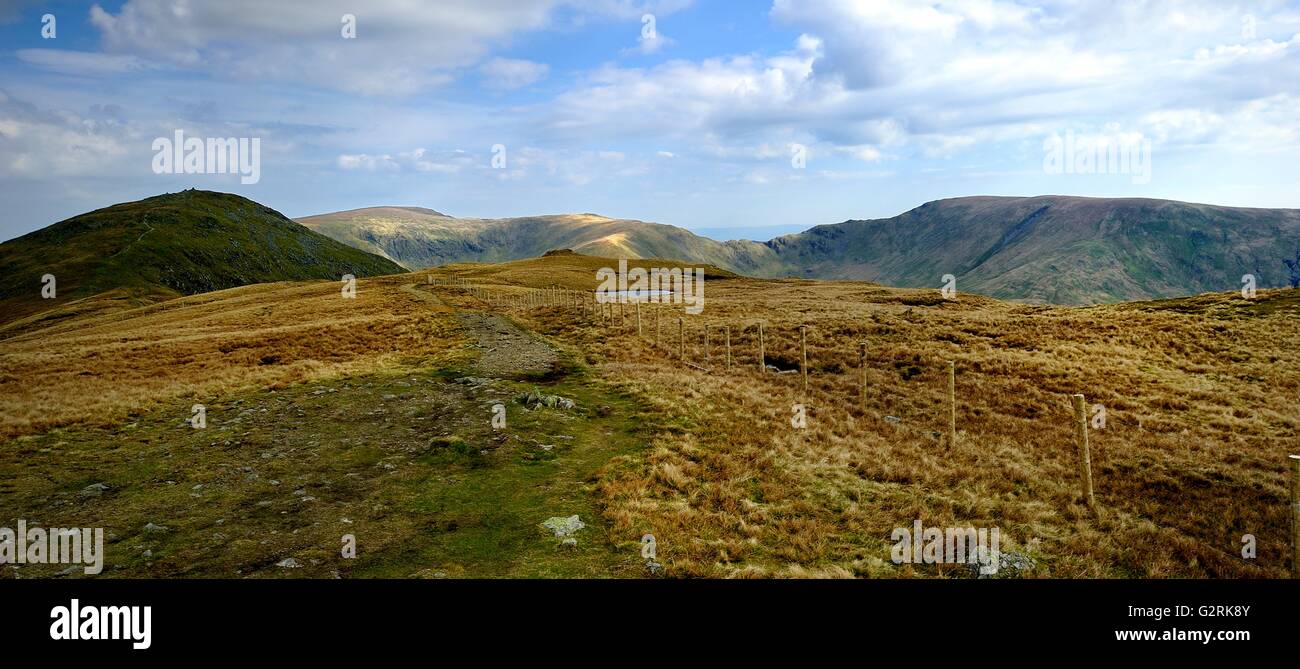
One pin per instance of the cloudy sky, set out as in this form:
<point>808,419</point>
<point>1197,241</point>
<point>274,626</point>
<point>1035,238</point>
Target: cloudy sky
<point>757,117</point>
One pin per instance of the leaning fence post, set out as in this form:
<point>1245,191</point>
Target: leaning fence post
<point>726,329</point>
<point>704,339</point>
<point>803,364</point>
<point>1085,455</point>
<point>762,359</point>
<point>658,330</point>
<point>862,364</point>
<point>952,403</point>
<point>1295,515</point>
<point>638,319</point>
<point>681,339</point>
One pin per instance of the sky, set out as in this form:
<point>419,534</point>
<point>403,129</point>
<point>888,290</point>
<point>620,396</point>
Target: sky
<point>736,118</point>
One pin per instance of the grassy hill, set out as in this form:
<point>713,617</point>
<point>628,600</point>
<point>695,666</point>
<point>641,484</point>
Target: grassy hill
<point>419,238</point>
<point>1061,250</point>
<point>174,244</point>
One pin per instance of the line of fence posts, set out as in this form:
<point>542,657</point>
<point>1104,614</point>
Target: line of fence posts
<point>554,295</point>
<point>1079,402</point>
<point>1080,405</point>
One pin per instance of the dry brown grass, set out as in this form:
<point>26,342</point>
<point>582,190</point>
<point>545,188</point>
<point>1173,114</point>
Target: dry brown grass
<point>1200,394</point>
<point>98,366</point>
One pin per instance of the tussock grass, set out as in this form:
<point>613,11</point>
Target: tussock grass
<point>97,368</point>
<point>1200,395</point>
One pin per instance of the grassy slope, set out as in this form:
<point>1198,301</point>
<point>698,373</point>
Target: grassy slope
<point>351,403</point>
<point>1199,394</point>
<point>418,238</point>
<point>175,244</point>
<point>1058,249</point>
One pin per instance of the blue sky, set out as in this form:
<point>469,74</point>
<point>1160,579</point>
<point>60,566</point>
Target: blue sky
<point>891,103</point>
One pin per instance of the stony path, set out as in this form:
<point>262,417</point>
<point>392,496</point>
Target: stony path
<point>505,349</point>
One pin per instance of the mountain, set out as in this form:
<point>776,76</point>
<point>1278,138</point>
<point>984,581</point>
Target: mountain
<point>1056,249</point>
<point>174,244</point>
<point>419,238</point>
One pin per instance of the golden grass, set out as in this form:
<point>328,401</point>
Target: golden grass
<point>95,368</point>
<point>1200,394</point>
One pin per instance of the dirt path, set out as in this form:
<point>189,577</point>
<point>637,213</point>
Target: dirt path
<point>506,350</point>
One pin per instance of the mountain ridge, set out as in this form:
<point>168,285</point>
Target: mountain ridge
<point>1045,248</point>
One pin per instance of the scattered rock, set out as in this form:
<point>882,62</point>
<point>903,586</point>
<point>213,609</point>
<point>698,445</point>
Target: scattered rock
<point>893,419</point>
<point>94,490</point>
<point>289,563</point>
<point>536,398</point>
<point>1010,565</point>
<point>563,527</point>
<point>150,527</point>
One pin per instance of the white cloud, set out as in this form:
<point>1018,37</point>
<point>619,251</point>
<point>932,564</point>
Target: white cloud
<point>505,74</point>
<point>90,63</point>
<point>417,160</point>
<point>400,47</point>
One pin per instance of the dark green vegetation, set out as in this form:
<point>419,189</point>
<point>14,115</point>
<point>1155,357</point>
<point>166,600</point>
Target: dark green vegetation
<point>1062,250</point>
<point>174,244</point>
<point>408,464</point>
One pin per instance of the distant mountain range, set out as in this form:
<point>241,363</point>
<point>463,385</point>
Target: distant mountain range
<point>1063,250</point>
<point>174,244</point>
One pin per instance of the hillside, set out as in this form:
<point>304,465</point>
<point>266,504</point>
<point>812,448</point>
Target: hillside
<point>1061,250</point>
<point>371,416</point>
<point>420,238</point>
<point>169,245</point>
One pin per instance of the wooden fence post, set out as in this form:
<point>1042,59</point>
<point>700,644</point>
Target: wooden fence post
<point>1085,455</point>
<point>862,363</point>
<point>704,340</point>
<point>803,365</point>
<point>658,308</point>
<point>952,403</point>
<point>726,329</point>
<point>638,319</point>
<point>762,358</point>
<point>681,339</point>
<point>1295,514</point>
